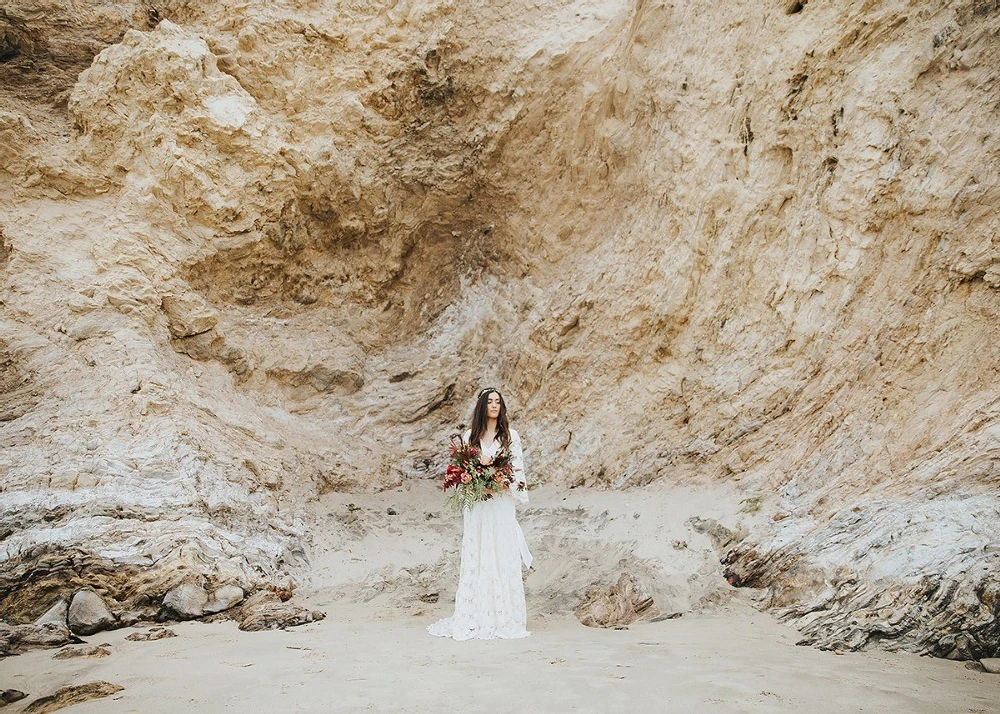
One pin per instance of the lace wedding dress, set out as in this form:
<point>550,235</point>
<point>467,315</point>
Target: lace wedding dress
<point>489,601</point>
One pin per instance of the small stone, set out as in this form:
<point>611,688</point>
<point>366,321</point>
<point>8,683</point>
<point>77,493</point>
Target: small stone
<point>680,544</point>
<point>9,696</point>
<point>991,664</point>
<point>224,598</point>
<point>154,633</point>
<point>187,601</point>
<point>430,597</point>
<point>55,614</point>
<point>668,616</point>
<point>88,614</point>
<point>81,652</point>
<point>391,511</point>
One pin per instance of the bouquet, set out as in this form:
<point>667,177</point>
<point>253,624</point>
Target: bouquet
<point>471,480</point>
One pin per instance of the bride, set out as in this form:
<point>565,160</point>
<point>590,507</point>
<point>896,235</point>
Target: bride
<point>489,602</point>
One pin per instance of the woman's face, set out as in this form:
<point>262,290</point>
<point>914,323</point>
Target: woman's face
<point>493,405</point>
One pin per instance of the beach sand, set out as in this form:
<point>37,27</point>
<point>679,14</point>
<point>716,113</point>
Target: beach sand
<point>737,660</point>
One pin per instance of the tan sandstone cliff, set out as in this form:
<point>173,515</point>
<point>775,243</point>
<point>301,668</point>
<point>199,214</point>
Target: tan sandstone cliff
<point>255,251</point>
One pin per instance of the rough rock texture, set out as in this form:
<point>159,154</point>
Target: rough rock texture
<point>265,611</point>
<point>73,694</point>
<point>154,633</point>
<point>57,614</point>
<point>9,696</point>
<point>254,252</point>
<point>186,601</point>
<point>16,639</point>
<point>224,598</point>
<point>81,652</point>
<point>88,614</point>
<point>616,606</point>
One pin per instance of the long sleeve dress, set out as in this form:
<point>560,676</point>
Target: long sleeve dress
<point>489,601</point>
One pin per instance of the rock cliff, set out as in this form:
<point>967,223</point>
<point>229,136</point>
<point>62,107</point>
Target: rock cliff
<point>252,252</point>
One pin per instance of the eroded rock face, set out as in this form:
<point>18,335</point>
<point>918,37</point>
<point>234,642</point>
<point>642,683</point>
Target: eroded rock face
<point>249,256</point>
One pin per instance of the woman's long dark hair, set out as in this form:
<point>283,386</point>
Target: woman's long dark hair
<point>479,419</point>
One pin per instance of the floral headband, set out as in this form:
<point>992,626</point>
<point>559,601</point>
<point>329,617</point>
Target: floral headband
<point>487,390</point>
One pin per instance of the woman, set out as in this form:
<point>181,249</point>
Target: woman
<point>489,602</point>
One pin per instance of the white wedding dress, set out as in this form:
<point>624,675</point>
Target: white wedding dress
<point>489,601</point>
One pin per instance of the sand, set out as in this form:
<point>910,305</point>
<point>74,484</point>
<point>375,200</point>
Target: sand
<point>733,661</point>
<point>372,653</point>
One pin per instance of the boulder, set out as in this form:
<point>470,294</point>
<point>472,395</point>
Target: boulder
<point>187,601</point>
<point>224,598</point>
<point>88,614</point>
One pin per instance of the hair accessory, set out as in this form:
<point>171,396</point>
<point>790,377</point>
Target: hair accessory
<point>489,389</point>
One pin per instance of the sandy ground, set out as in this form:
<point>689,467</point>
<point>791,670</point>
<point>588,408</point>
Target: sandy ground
<point>733,661</point>
<point>372,653</point>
